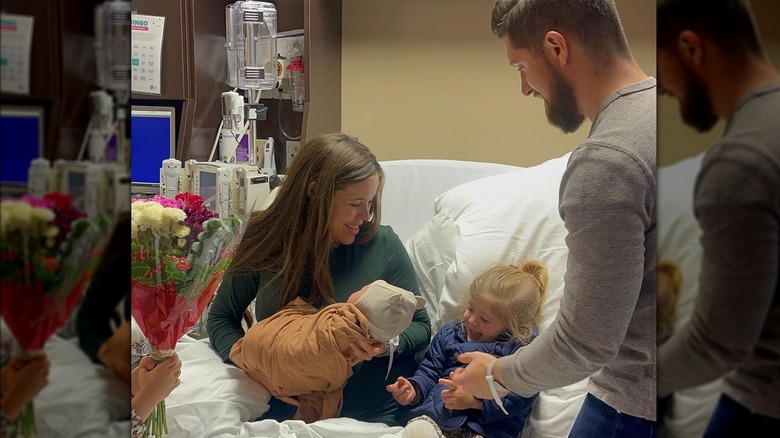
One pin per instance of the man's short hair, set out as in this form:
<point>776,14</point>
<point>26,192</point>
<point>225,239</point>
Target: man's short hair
<point>728,23</point>
<point>595,24</point>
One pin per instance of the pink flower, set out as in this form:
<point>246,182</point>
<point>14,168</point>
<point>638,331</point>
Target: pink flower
<point>168,202</point>
<point>36,202</point>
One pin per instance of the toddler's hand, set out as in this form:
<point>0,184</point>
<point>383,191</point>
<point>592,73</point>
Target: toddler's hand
<point>457,398</point>
<point>403,391</point>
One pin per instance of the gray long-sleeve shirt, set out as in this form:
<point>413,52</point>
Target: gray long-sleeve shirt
<point>605,326</point>
<point>734,330</point>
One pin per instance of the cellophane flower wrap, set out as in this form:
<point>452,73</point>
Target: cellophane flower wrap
<point>49,252</point>
<point>180,252</point>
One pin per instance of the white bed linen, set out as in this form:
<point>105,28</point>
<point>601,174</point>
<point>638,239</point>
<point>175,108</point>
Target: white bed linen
<point>216,399</point>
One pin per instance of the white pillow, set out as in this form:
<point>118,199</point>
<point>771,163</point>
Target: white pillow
<point>411,186</point>
<point>432,251</point>
<point>500,219</point>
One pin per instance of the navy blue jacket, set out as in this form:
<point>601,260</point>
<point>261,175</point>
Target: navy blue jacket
<point>439,361</point>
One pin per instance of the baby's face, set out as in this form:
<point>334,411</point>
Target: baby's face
<point>356,295</point>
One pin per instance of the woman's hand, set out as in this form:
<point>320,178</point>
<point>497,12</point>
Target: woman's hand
<point>21,382</point>
<point>364,350</point>
<point>146,363</point>
<point>403,391</point>
<point>154,384</point>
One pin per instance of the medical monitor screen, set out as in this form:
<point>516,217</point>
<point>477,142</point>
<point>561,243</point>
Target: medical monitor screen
<point>21,141</point>
<point>152,140</point>
<point>207,188</point>
<point>76,180</point>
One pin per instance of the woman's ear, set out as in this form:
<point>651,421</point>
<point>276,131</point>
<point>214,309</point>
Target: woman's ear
<point>310,189</point>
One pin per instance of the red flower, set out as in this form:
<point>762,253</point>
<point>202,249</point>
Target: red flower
<point>191,201</point>
<point>59,201</point>
<point>65,213</point>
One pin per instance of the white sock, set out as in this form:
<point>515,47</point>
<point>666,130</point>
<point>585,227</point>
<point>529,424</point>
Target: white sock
<point>420,429</point>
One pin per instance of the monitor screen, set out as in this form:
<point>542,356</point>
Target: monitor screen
<point>152,140</point>
<point>21,141</point>
<point>76,180</point>
<point>207,187</point>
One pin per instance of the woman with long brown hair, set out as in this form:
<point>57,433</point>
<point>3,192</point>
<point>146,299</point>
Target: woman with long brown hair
<point>321,240</point>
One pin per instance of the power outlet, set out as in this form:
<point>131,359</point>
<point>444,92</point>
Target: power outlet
<point>292,148</point>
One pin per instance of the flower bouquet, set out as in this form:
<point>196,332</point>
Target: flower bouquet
<point>49,252</point>
<point>180,252</point>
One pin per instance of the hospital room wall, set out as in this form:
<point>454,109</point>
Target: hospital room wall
<point>677,141</point>
<point>427,79</point>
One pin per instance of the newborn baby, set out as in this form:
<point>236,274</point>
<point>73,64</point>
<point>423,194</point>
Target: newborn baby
<point>300,349</point>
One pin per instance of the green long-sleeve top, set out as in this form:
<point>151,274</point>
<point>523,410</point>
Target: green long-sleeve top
<point>352,267</point>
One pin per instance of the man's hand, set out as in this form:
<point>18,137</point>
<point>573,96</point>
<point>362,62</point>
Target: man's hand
<point>403,391</point>
<point>472,377</point>
<point>457,398</point>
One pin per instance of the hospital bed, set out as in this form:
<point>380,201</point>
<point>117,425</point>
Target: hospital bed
<point>455,218</point>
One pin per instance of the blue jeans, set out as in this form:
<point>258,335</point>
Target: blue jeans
<point>598,419</point>
<point>732,419</point>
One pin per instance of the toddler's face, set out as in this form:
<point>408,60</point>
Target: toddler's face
<point>481,322</point>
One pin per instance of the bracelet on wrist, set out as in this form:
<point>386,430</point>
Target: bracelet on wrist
<point>496,387</point>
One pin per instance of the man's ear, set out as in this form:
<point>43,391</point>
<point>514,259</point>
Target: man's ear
<point>556,48</point>
<point>690,48</point>
<point>310,189</point>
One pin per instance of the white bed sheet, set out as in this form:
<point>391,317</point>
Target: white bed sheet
<point>216,399</point>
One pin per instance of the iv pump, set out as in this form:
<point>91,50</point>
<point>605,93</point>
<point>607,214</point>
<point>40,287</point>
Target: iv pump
<point>232,128</point>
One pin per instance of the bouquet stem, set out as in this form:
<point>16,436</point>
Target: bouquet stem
<point>25,422</point>
<point>157,422</point>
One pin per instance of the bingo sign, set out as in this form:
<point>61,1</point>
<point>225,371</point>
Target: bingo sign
<point>146,53</point>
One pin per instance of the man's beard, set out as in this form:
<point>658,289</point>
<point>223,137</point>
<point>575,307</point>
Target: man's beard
<point>561,108</point>
<point>696,105</point>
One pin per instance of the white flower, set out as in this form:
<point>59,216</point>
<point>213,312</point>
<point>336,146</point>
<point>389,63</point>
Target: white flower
<point>19,216</point>
<point>152,219</point>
